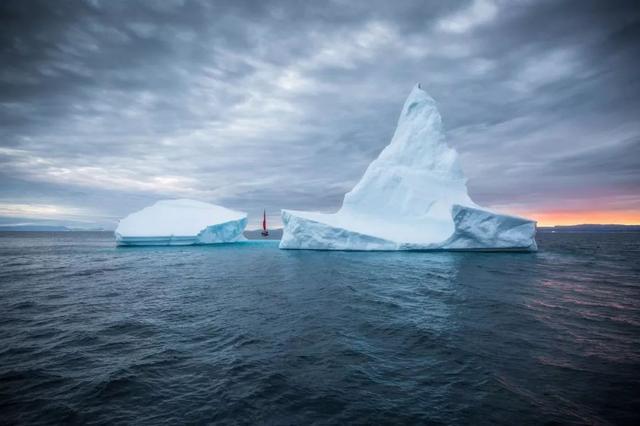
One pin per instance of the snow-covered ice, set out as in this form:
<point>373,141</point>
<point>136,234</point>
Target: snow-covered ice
<point>412,197</point>
<point>181,222</point>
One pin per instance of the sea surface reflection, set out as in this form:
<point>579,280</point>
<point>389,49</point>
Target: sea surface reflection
<point>247,333</point>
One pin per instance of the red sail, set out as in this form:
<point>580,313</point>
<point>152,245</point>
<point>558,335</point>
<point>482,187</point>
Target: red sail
<point>264,220</point>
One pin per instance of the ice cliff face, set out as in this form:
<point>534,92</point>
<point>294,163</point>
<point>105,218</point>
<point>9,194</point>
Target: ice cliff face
<point>181,222</point>
<point>412,197</point>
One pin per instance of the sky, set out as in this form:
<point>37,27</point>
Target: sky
<point>108,106</point>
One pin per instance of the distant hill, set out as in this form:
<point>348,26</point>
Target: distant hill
<point>33,228</point>
<point>590,228</point>
<point>274,234</point>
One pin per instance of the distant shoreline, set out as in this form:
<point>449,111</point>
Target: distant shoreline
<point>588,228</point>
<point>276,234</point>
<point>256,234</point>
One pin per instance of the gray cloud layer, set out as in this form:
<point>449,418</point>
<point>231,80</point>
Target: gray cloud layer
<point>106,106</point>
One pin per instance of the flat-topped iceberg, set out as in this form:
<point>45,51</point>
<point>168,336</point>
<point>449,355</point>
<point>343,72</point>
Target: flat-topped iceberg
<point>412,197</point>
<point>181,222</point>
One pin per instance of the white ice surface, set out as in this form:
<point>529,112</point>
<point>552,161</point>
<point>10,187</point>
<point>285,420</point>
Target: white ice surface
<point>412,197</point>
<point>181,222</point>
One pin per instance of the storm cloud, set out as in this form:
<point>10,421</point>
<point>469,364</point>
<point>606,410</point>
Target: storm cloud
<point>106,106</point>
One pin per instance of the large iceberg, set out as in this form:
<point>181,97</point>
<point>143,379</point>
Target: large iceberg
<point>181,222</point>
<point>412,197</point>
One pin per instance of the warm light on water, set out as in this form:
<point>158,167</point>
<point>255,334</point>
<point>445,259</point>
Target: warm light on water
<point>248,333</point>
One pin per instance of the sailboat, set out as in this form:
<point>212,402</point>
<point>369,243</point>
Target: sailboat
<point>264,232</point>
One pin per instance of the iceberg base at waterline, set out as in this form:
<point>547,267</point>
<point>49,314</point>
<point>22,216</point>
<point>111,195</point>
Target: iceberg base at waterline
<point>412,197</point>
<point>474,230</point>
<point>181,222</point>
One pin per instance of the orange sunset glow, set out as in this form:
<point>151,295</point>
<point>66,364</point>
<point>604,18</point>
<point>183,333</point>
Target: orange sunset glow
<point>552,218</point>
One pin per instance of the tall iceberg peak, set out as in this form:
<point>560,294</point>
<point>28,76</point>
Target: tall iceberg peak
<point>413,196</point>
<point>181,222</point>
<point>418,173</point>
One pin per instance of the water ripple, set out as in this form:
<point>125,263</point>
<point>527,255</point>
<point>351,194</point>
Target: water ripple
<point>248,334</point>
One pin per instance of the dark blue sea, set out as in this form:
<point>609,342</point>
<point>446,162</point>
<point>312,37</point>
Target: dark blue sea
<point>249,334</point>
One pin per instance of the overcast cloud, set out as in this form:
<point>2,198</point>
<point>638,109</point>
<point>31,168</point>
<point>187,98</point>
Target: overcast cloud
<point>106,106</point>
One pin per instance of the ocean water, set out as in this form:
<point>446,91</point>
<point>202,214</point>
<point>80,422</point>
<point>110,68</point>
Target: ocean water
<point>249,334</point>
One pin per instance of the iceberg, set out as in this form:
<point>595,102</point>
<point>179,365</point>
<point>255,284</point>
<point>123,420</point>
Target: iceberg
<point>412,197</point>
<point>181,222</point>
